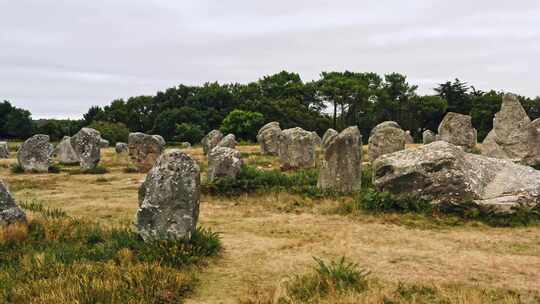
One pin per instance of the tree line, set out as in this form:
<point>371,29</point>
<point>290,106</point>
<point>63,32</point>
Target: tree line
<point>335,100</point>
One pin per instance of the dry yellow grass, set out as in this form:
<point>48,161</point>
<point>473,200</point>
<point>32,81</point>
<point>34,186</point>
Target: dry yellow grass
<point>267,238</point>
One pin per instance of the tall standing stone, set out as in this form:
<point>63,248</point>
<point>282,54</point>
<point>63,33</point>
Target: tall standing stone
<point>224,162</point>
<point>428,137</point>
<point>10,213</point>
<point>65,153</point>
<point>169,198</point>
<point>386,137</point>
<point>296,149</point>
<point>4,149</point>
<point>211,140</point>
<point>144,150</point>
<point>87,143</point>
<point>268,138</point>
<point>327,135</point>
<point>341,168</point>
<point>35,153</point>
<point>458,130</point>
<point>228,141</point>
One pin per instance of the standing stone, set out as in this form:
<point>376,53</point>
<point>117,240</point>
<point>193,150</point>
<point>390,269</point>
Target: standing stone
<point>34,155</point>
<point>317,141</point>
<point>409,140</point>
<point>10,213</point>
<point>65,153</point>
<point>87,143</point>
<point>169,198</point>
<point>386,137</point>
<point>121,147</point>
<point>296,149</point>
<point>457,129</point>
<point>268,138</point>
<point>185,145</point>
<point>228,141</point>
<point>341,168</point>
<point>224,162</point>
<point>328,134</point>
<point>4,149</point>
<point>428,137</point>
<point>211,140</point>
<point>144,150</point>
<point>104,144</point>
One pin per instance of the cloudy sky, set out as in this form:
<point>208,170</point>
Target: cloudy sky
<point>58,57</point>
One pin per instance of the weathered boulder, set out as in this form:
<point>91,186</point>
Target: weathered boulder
<point>443,173</point>
<point>4,149</point>
<point>35,154</point>
<point>87,143</point>
<point>341,168</point>
<point>65,153</point>
<point>185,145</point>
<point>268,138</point>
<point>121,147</point>
<point>228,141</point>
<point>317,141</point>
<point>386,137</point>
<point>211,140</point>
<point>224,162</point>
<point>409,140</point>
<point>10,213</point>
<point>296,149</point>
<point>144,150</point>
<point>514,135</point>
<point>169,198</point>
<point>104,144</point>
<point>328,134</point>
<point>458,130</point>
<point>428,137</point>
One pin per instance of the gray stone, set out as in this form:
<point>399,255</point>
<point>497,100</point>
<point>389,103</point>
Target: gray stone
<point>327,135</point>
<point>443,173</point>
<point>185,145</point>
<point>87,143</point>
<point>341,168</point>
<point>10,213</point>
<point>228,141</point>
<point>317,141</point>
<point>121,147</point>
<point>409,140</point>
<point>104,144</point>
<point>169,198</point>
<point>457,129</point>
<point>211,140</point>
<point>4,149</point>
<point>386,137</point>
<point>296,149</point>
<point>268,138</point>
<point>144,150</point>
<point>65,153</point>
<point>224,162</point>
<point>428,137</point>
<point>35,153</point>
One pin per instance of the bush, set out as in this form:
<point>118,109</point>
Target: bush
<point>243,124</point>
<point>188,132</point>
<point>113,132</point>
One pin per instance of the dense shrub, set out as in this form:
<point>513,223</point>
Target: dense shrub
<point>244,124</point>
<point>188,132</point>
<point>113,132</point>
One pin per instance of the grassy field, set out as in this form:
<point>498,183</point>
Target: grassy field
<point>270,240</point>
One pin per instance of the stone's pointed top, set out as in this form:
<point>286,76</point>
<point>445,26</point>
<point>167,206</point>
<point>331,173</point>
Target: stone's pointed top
<point>228,141</point>
<point>511,117</point>
<point>457,129</point>
<point>65,152</point>
<point>385,124</point>
<point>10,213</point>
<point>328,135</point>
<point>211,140</point>
<point>270,125</point>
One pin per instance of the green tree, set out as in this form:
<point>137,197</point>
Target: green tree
<point>188,132</point>
<point>18,124</point>
<point>243,124</point>
<point>113,132</point>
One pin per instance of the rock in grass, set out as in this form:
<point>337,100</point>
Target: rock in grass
<point>169,198</point>
<point>144,150</point>
<point>386,137</point>
<point>211,140</point>
<point>444,173</point>
<point>35,154</point>
<point>409,140</point>
<point>121,147</point>
<point>87,143</point>
<point>296,149</point>
<point>4,149</point>
<point>185,145</point>
<point>341,168</point>
<point>224,162</point>
<point>104,144</point>
<point>10,213</point>
<point>428,137</point>
<point>268,138</point>
<point>65,153</point>
<point>228,141</point>
<point>458,130</point>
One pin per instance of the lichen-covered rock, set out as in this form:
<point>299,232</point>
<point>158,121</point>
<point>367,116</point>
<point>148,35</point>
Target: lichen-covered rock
<point>35,154</point>
<point>87,143</point>
<point>169,198</point>
<point>296,149</point>
<point>386,137</point>
<point>443,173</point>
<point>121,147</point>
<point>228,141</point>
<point>211,140</point>
<point>317,141</point>
<point>458,130</point>
<point>224,162</point>
<point>328,134</point>
<point>144,150</point>
<point>65,153</point>
<point>10,213</point>
<point>514,135</point>
<point>409,140</point>
<point>185,145</point>
<point>4,149</point>
<point>104,144</point>
<point>268,138</point>
<point>428,137</point>
<point>341,168</point>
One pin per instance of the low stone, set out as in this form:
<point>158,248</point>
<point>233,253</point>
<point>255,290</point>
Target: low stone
<point>211,140</point>
<point>35,154</point>
<point>87,143</point>
<point>386,137</point>
<point>144,150</point>
<point>10,212</point>
<point>428,137</point>
<point>65,153</point>
<point>341,168</point>
<point>409,140</point>
<point>228,141</point>
<point>224,162</point>
<point>296,149</point>
<point>169,198</point>
<point>268,138</point>
<point>104,144</point>
<point>4,149</point>
<point>457,129</point>
<point>185,145</point>
<point>121,147</point>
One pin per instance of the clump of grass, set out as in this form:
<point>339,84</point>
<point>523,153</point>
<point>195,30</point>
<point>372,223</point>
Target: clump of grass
<point>16,169</point>
<point>55,169</point>
<point>37,207</point>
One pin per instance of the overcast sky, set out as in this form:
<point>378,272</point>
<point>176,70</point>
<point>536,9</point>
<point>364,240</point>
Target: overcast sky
<point>59,57</point>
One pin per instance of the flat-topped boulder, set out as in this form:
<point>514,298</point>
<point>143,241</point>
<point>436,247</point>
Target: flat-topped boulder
<point>87,144</point>
<point>444,173</point>
<point>458,130</point>
<point>268,138</point>
<point>296,149</point>
<point>211,140</point>
<point>144,150</point>
<point>10,212</point>
<point>65,153</point>
<point>386,137</point>
<point>4,149</point>
<point>224,162</point>
<point>35,154</point>
<point>169,198</point>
